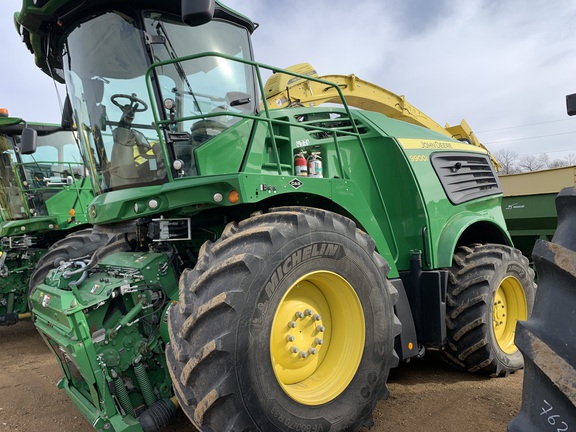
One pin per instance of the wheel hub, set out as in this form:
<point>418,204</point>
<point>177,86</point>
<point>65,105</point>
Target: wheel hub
<point>317,338</point>
<point>499,311</point>
<point>509,306</point>
<point>304,333</point>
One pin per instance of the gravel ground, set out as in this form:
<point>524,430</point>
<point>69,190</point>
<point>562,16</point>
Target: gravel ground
<point>426,395</point>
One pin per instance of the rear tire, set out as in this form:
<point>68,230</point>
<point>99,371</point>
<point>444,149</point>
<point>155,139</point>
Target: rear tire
<point>275,286</point>
<point>490,288</point>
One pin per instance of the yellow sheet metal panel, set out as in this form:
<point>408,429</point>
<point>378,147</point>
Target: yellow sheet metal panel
<point>538,182</point>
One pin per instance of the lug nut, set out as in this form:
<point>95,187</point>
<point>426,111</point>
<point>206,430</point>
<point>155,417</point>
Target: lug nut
<point>290,338</point>
<point>321,328</point>
<point>294,349</point>
<point>292,324</point>
<point>312,351</point>
<point>303,354</point>
<point>317,317</point>
<point>299,314</point>
<point>318,341</point>
<point>308,312</point>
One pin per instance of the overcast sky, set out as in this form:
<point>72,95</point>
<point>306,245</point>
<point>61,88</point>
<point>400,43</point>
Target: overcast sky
<point>504,66</point>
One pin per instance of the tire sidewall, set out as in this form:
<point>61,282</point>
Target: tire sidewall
<point>267,403</point>
<point>510,266</point>
<point>70,247</point>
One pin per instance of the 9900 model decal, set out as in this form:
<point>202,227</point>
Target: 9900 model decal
<point>418,158</point>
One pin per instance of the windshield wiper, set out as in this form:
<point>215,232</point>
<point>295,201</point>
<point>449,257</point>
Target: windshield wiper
<point>162,35</point>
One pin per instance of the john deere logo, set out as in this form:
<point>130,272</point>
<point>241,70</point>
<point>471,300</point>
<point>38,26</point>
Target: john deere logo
<point>295,183</point>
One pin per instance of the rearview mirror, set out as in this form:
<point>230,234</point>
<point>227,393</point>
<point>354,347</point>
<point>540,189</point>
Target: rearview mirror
<point>197,12</point>
<point>571,104</point>
<point>29,141</point>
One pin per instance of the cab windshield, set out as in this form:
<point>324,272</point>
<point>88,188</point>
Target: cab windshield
<point>12,205</point>
<point>115,106</point>
<point>54,166</point>
<point>36,177</point>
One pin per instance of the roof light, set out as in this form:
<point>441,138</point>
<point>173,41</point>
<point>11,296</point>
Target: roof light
<point>3,112</point>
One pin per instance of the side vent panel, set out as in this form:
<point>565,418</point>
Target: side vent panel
<point>465,176</point>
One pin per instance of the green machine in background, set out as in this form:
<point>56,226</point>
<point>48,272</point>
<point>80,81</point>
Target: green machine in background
<point>43,197</point>
<point>529,204</point>
<point>254,288</point>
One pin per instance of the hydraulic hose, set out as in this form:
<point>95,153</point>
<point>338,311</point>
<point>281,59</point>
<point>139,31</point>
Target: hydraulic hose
<point>118,244</point>
<point>13,317</point>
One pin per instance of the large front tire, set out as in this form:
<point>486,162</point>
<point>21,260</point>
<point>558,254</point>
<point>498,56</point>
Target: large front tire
<point>286,323</point>
<point>491,287</point>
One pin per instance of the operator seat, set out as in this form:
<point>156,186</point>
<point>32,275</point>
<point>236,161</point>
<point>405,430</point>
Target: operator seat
<point>201,132</point>
<point>122,167</point>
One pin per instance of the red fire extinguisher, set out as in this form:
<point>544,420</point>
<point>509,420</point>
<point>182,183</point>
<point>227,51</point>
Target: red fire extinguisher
<point>300,165</point>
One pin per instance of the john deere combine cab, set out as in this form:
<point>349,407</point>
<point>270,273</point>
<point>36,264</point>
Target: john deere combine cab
<point>256,291</point>
<point>43,197</point>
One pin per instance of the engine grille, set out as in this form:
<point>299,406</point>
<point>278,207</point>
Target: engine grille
<point>465,177</point>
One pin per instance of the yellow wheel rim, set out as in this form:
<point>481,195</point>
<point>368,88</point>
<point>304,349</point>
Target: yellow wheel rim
<point>317,338</point>
<point>509,306</point>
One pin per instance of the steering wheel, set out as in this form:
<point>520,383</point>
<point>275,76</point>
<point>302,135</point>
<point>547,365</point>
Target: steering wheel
<point>130,109</point>
<point>134,102</point>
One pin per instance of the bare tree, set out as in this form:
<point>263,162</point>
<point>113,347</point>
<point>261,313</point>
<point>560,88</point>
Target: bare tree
<point>544,160</point>
<point>570,159</point>
<point>558,163</point>
<point>513,163</point>
<point>507,159</point>
<point>530,162</point>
